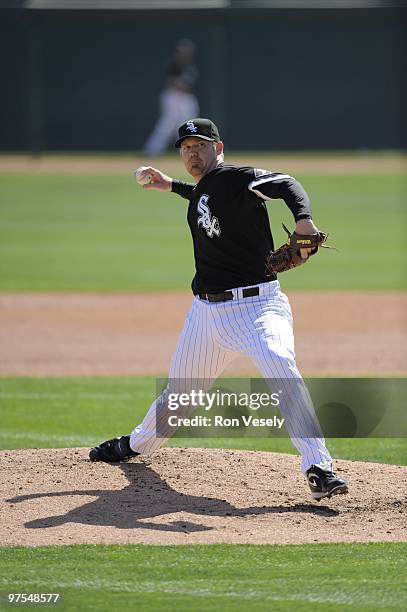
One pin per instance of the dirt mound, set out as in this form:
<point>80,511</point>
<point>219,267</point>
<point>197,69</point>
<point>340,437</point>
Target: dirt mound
<point>189,496</point>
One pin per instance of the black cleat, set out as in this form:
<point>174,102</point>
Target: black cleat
<point>113,451</point>
<point>324,483</point>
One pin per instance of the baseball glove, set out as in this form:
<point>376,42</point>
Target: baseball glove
<point>289,255</point>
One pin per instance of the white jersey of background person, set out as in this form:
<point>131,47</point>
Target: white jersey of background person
<point>177,101</point>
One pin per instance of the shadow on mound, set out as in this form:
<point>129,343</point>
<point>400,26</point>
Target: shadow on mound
<point>148,496</point>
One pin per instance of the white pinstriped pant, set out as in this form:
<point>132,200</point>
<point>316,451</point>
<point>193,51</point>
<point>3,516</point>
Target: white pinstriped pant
<point>259,327</point>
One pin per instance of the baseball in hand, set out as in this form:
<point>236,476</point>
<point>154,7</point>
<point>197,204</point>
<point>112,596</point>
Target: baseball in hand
<point>141,177</point>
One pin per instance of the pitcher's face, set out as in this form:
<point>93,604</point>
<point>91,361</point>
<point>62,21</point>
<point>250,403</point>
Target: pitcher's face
<point>200,156</point>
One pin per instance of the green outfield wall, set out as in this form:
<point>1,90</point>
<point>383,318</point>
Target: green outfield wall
<point>274,79</point>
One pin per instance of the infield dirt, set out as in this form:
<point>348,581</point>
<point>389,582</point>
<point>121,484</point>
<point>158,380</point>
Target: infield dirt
<point>314,163</point>
<point>351,333</point>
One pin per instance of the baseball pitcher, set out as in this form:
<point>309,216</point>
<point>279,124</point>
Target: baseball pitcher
<point>238,306</point>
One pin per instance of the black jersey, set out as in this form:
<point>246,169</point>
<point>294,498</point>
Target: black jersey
<point>230,227</point>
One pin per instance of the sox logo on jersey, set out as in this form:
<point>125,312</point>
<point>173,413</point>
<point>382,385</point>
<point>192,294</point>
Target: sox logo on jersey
<point>209,223</point>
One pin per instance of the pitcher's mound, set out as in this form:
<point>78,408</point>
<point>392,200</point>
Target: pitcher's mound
<point>189,496</point>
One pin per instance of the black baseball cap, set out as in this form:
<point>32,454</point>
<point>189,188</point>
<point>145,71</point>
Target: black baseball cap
<point>201,128</point>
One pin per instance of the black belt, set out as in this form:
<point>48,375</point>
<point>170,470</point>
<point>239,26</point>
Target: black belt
<point>227,295</point>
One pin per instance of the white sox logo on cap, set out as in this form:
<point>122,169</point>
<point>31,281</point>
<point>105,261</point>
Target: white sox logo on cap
<point>191,127</point>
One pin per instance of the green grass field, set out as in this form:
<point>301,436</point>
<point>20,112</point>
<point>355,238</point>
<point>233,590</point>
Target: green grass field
<point>51,413</point>
<point>208,578</point>
<point>102,232</point>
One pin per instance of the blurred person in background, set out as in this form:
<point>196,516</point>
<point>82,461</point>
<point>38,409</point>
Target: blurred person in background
<point>177,101</point>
